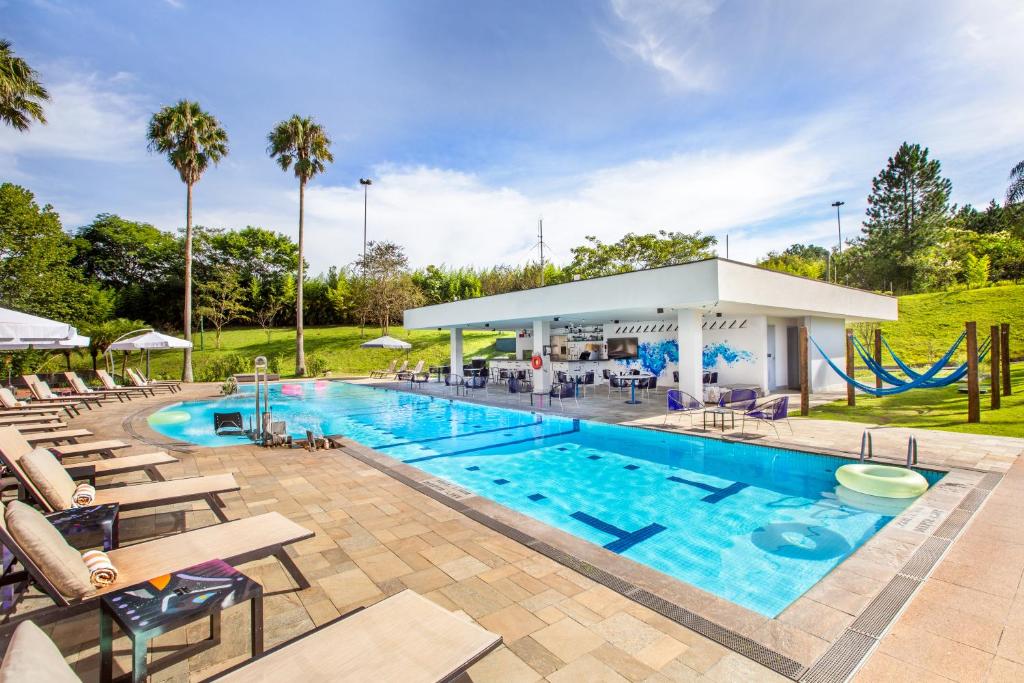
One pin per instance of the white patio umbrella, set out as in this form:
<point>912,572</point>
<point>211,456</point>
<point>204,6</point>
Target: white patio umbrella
<point>150,341</point>
<point>386,342</point>
<point>17,327</point>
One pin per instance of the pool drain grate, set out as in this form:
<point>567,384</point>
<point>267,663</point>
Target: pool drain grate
<point>841,660</point>
<point>925,557</point>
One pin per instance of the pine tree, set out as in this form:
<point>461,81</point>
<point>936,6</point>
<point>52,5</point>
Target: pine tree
<point>907,208</point>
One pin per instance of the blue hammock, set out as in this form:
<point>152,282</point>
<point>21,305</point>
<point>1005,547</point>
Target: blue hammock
<point>921,381</point>
<point>955,376</point>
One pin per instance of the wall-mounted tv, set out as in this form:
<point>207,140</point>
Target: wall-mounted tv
<point>623,347</point>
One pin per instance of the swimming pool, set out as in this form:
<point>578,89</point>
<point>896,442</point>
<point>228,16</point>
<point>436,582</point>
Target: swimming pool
<point>755,525</point>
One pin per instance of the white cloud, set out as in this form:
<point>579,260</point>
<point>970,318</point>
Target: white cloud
<point>667,35</point>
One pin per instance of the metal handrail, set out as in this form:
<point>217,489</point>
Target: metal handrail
<point>867,445</point>
<point>911,451</point>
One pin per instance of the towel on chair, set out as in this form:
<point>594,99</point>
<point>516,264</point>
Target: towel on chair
<point>83,496</point>
<point>102,571</point>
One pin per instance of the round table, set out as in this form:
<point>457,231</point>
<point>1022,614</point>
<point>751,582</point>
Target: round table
<point>632,385</point>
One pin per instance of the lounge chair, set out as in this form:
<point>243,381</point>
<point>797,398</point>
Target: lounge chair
<point>34,425</point>
<point>14,419</point>
<point>138,380</point>
<point>389,370</point>
<point>56,437</point>
<point>108,383</point>
<point>52,563</point>
<point>405,637</point>
<point>13,447</point>
<point>52,487</point>
<point>228,424</point>
<point>83,389</point>
<point>406,375</point>
<point>680,402</point>
<point>41,392</point>
<point>769,412</point>
<point>10,404</point>
<point>401,369</point>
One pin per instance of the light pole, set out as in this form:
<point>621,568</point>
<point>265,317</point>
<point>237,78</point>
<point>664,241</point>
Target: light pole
<point>365,182</point>
<point>839,227</point>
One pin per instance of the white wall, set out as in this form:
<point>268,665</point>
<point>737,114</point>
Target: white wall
<point>738,347</point>
<point>830,334</point>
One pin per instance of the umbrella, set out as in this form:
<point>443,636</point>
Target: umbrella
<point>17,327</point>
<point>386,342</point>
<point>148,342</point>
<point>75,342</point>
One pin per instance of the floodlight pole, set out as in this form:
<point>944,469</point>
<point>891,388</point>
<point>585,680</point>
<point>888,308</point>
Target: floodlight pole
<point>365,182</point>
<point>839,228</point>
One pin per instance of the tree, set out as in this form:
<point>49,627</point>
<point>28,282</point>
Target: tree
<point>303,143</point>
<point>21,93</point>
<point>221,299</point>
<point>385,289</point>
<point>638,252</point>
<point>907,209</point>
<point>794,264</point>
<point>1015,192</point>
<point>192,139</point>
<point>440,285</point>
<point>976,270</point>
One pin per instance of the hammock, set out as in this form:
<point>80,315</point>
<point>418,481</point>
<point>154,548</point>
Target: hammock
<point>955,376</point>
<point>921,381</point>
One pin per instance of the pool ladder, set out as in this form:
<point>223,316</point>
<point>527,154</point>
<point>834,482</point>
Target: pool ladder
<point>867,448</point>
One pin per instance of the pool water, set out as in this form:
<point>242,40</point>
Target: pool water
<point>755,525</point>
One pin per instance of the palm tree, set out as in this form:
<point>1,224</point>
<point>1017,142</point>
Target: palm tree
<point>1015,193</point>
<point>304,143</point>
<point>21,93</point>
<point>192,139</point>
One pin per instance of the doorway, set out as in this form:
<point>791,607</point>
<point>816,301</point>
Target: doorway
<point>771,357</point>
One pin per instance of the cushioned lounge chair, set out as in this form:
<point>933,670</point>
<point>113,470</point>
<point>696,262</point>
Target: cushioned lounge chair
<point>58,570</point>
<point>10,404</point>
<point>41,391</point>
<point>79,385</point>
<point>43,476</point>
<point>108,383</point>
<point>13,447</point>
<point>405,637</point>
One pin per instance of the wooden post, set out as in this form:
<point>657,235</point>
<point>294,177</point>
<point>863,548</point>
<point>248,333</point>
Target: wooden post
<point>878,355</point>
<point>851,397</point>
<point>973,396</point>
<point>993,353</point>
<point>805,399</point>
<point>1005,357</point>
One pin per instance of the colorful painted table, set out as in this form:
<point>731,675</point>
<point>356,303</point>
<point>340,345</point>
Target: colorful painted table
<point>164,603</point>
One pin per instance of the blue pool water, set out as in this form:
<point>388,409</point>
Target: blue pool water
<point>755,525</point>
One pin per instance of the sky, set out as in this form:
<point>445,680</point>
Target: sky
<point>476,119</point>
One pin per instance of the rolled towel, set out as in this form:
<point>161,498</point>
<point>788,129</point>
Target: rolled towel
<point>102,571</point>
<point>83,496</point>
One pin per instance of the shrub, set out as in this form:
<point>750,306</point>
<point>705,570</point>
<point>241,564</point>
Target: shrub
<point>316,365</point>
<point>220,367</point>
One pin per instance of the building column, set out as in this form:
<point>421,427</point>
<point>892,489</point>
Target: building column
<point>691,352</point>
<point>455,344</point>
<point>542,338</point>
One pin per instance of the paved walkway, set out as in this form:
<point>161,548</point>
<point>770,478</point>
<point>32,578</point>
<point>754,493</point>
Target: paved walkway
<point>376,536</point>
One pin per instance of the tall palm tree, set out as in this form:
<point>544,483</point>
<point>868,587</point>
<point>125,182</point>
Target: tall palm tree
<point>192,139</point>
<point>301,142</point>
<point>21,93</point>
<point>1015,192</point>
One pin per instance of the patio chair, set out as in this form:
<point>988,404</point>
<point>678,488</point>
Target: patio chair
<point>13,447</point>
<point>366,644</point>
<point>562,390</point>
<point>389,370</point>
<point>520,387</point>
<point>453,382</point>
<point>475,383</point>
<point>738,399</point>
<point>587,381</point>
<point>9,404</point>
<point>80,387</point>
<point>617,383</point>
<point>41,392</point>
<point>52,487</point>
<point>53,565</point>
<point>137,380</point>
<point>680,402</point>
<point>409,373</point>
<point>769,412</point>
<point>401,368</point>
<point>108,383</point>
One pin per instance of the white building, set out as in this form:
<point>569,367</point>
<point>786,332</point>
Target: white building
<point>721,316</point>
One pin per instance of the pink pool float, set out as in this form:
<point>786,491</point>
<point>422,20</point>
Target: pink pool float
<point>321,384</point>
<point>291,389</point>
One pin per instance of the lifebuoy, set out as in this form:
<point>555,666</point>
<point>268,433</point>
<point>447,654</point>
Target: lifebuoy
<point>536,362</point>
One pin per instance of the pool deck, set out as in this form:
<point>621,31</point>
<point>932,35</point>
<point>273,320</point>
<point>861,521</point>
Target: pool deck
<point>377,535</point>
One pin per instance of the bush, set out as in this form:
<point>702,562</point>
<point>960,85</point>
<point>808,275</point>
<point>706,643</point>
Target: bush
<point>275,363</point>
<point>316,365</point>
<point>222,366</point>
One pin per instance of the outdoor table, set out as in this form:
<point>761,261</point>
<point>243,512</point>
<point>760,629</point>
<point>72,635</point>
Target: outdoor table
<point>87,520</point>
<point>632,385</point>
<point>164,603</point>
<point>720,411</point>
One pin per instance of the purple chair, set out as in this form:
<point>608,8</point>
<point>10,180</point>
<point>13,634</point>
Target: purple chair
<point>682,403</point>
<point>738,399</point>
<point>770,412</point>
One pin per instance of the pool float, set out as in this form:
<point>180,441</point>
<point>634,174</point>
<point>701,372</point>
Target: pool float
<point>884,481</point>
<point>291,390</point>
<point>169,417</point>
<point>321,384</point>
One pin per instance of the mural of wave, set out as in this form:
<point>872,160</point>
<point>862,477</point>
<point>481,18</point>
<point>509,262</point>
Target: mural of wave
<point>654,356</point>
<point>721,351</point>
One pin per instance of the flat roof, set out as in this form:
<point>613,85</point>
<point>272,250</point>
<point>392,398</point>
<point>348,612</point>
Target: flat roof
<point>714,285</point>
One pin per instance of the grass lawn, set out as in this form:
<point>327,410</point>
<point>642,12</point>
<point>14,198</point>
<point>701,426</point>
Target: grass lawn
<point>338,345</point>
<point>935,409</point>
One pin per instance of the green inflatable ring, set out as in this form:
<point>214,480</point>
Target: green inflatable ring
<point>169,417</point>
<point>884,481</point>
